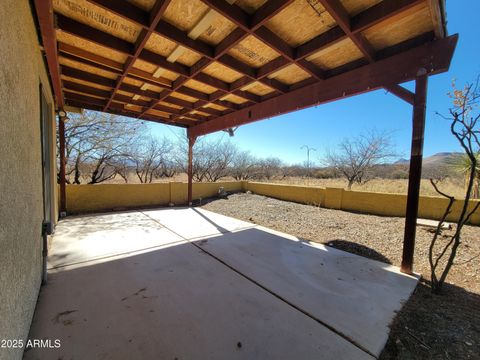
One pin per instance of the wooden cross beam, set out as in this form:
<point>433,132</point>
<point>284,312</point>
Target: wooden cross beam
<point>434,56</point>
<point>340,14</point>
<point>44,11</point>
<point>246,25</point>
<point>155,16</point>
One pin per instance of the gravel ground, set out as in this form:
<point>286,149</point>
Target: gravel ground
<point>430,326</point>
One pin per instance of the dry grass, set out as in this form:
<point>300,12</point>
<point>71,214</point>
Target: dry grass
<point>133,179</point>
<point>395,186</point>
<point>450,186</point>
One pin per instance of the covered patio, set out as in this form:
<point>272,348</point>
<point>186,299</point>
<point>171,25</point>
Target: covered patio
<point>186,283</point>
<point>214,65</point>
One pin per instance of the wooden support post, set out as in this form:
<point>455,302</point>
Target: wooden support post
<point>61,140</point>
<point>191,142</point>
<point>415,173</point>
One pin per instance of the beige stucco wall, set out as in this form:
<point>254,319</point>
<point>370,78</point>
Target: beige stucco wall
<point>21,206</point>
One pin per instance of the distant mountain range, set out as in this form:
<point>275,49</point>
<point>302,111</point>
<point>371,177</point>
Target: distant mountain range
<point>438,159</point>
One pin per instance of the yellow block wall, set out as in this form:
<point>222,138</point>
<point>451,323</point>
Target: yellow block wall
<point>365,202</point>
<point>91,198</point>
<point>295,193</point>
<point>101,197</point>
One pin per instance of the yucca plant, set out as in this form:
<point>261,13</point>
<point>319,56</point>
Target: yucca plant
<point>463,165</point>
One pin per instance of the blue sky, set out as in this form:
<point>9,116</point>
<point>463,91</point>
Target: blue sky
<point>324,126</point>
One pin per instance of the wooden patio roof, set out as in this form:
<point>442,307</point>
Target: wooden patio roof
<point>214,64</point>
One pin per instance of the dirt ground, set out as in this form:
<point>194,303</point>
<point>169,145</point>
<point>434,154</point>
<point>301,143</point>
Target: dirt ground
<point>429,326</point>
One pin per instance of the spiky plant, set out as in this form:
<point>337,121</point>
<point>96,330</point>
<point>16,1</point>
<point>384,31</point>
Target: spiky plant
<point>464,165</point>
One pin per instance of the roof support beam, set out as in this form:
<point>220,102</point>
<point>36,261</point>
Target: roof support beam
<point>103,81</point>
<point>380,12</point>
<point>44,9</point>
<point>165,29</point>
<point>402,93</point>
<point>155,16</point>
<point>435,57</point>
<point>96,104</point>
<point>124,9</point>
<point>267,11</point>
<point>248,25</point>
<point>360,22</point>
<point>235,14</point>
<point>88,58</point>
<point>415,171</point>
<point>340,14</point>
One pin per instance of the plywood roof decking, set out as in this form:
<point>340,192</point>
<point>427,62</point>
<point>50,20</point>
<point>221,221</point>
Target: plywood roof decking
<point>209,58</point>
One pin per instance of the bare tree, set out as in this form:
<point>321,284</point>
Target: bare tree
<point>244,166</point>
<point>464,119</point>
<point>167,169</point>
<point>356,158</point>
<point>271,167</point>
<point>150,156</point>
<point>211,159</point>
<point>123,167</point>
<point>95,143</point>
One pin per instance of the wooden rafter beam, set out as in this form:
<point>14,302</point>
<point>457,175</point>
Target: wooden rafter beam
<point>380,12</point>
<point>219,54</point>
<point>103,81</point>
<point>136,74</point>
<point>126,10</point>
<point>435,57</point>
<point>320,42</point>
<point>235,14</point>
<point>266,12</point>
<point>336,9</point>
<point>91,59</point>
<point>88,33</point>
<point>44,9</point>
<point>402,93</point>
<point>154,18</point>
<point>119,111</point>
<point>88,100</point>
<point>176,35</point>
<point>209,54</point>
<point>168,31</point>
<point>360,22</point>
<point>290,55</point>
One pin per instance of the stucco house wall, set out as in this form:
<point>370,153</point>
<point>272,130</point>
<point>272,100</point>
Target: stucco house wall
<point>22,70</point>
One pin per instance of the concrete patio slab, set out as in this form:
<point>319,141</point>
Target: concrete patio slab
<point>192,223</point>
<point>174,303</point>
<point>355,295</point>
<point>191,284</point>
<point>83,238</point>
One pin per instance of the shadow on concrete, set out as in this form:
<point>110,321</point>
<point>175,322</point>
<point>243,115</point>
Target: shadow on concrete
<point>174,302</point>
<point>358,249</point>
<point>192,300</point>
<point>217,226</point>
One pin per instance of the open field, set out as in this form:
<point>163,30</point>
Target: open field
<point>394,186</point>
<point>429,326</point>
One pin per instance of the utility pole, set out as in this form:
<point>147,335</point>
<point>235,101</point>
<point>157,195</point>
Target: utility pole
<point>309,149</point>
